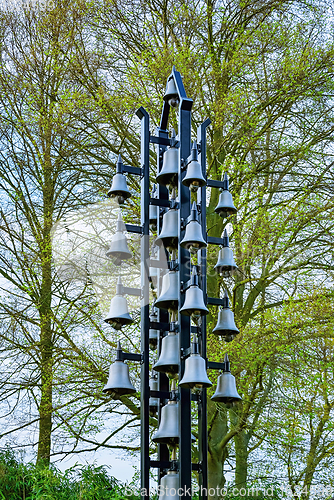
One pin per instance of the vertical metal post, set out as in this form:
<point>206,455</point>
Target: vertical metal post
<point>184,275</point>
<point>202,405</point>
<point>162,192</point>
<point>145,250</point>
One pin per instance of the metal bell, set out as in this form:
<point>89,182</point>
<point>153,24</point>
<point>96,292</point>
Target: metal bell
<point>168,431</point>
<point>153,402</point>
<point>194,301</point>
<point>169,486</point>
<point>193,239</point>
<point>153,334</point>
<point>225,264</point>
<point>119,250</point>
<point>171,94</point>
<point>153,211</point>
<point>168,175</point>
<point>225,205</point>
<point>226,391</point>
<point>225,325</point>
<point>118,315</point>
<point>169,295</point>
<point>169,232</point>
<point>119,189</point>
<point>169,359</point>
<point>195,370</point>
<point>194,176</point>
<point>119,382</point>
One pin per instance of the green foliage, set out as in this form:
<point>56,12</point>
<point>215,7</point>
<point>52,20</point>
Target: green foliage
<point>19,481</point>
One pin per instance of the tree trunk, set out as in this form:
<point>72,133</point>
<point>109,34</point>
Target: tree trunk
<point>241,458</point>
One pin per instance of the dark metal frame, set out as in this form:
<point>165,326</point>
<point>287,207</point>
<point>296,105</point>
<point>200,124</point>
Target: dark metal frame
<point>161,139</point>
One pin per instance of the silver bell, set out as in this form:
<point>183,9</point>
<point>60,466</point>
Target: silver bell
<point>225,205</point>
<point>119,250</point>
<point>169,296</point>
<point>118,315</point>
<point>171,94</point>
<point>119,382</point>
<point>193,239</point>
<point>168,175</point>
<point>169,232</point>
<point>153,402</point>
<point>153,334</point>
<point>194,176</point>
<point>225,264</point>
<point>194,301</point>
<point>168,361</point>
<point>119,189</point>
<point>226,391</point>
<point>169,486</point>
<point>195,370</point>
<point>225,325</point>
<point>168,431</point>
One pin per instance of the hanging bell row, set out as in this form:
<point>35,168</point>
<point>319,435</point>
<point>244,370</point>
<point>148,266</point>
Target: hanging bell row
<point>169,486</point>
<point>119,383</point>
<point>194,176</point>
<point>118,315</point>
<point>119,189</point>
<point>225,264</point>
<point>171,95</point>
<point>194,305</point>
<point>119,250</point>
<point>169,234</point>
<point>226,391</point>
<point>168,431</point>
<point>169,295</point>
<point>225,205</point>
<point>193,239</point>
<point>195,375</point>
<point>225,325</point>
<point>169,359</point>
<point>168,175</point>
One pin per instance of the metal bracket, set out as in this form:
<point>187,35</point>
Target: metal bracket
<point>131,356</point>
<point>185,352</point>
<point>215,184</point>
<point>133,228</point>
<point>137,292</point>
<point>215,241</point>
<point>154,325</point>
<point>173,265</point>
<point>133,170</point>
<point>213,301</point>
<point>213,365</point>
<point>159,203</point>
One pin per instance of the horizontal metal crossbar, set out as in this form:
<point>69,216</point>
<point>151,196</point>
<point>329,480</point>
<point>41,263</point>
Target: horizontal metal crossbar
<point>213,301</point>
<point>215,184</point>
<point>154,325</point>
<point>213,365</point>
<point>215,241</point>
<point>159,203</point>
<point>133,170</point>
<point>133,228</point>
<point>131,356</point>
<point>137,292</point>
<point>161,394</point>
<point>164,141</point>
